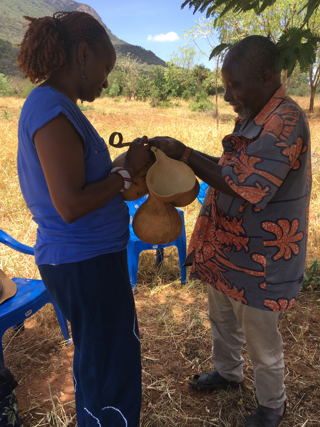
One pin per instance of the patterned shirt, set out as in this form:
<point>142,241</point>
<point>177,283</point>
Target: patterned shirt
<point>254,249</point>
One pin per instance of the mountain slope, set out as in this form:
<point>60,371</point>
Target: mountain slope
<point>12,24</point>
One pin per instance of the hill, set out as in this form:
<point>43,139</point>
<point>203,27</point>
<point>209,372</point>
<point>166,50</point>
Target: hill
<point>12,24</point>
<point>8,54</point>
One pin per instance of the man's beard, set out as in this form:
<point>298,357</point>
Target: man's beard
<point>246,113</point>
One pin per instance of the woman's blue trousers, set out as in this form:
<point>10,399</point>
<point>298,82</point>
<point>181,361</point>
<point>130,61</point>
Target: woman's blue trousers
<point>95,296</point>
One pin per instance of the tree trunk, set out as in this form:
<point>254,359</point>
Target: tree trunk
<point>288,83</point>
<point>284,79</point>
<point>216,84</point>
<point>313,94</point>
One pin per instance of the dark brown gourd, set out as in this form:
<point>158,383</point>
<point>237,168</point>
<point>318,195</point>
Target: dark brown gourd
<point>157,222</point>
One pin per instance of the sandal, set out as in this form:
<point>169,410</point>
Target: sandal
<point>263,419</point>
<point>212,381</point>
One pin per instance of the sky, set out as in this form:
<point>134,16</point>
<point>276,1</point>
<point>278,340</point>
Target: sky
<point>156,25</point>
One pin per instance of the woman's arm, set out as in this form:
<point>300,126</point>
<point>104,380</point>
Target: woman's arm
<point>60,151</point>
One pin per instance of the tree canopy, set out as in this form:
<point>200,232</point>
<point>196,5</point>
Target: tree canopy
<point>212,6</point>
<point>297,41</point>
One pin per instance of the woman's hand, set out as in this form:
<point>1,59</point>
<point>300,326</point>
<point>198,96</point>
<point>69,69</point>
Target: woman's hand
<point>137,156</point>
<point>170,146</point>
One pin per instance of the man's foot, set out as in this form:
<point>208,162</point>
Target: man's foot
<point>266,417</point>
<point>212,381</point>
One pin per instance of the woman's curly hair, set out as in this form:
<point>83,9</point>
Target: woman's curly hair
<point>48,42</point>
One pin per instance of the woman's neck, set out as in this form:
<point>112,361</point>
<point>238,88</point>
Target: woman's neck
<point>64,84</point>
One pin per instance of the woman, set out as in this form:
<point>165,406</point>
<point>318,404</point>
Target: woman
<point>73,193</point>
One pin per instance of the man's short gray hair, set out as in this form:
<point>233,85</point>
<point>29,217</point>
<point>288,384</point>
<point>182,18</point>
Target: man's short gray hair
<point>254,53</point>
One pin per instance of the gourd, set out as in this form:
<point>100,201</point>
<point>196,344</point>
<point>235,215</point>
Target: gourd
<point>169,180</point>
<point>170,183</point>
<point>157,222</point>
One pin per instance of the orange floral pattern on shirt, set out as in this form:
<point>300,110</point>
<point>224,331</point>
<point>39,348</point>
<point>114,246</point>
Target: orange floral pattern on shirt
<point>281,304</point>
<point>254,194</point>
<point>210,244</point>
<point>239,145</point>
<point>292,152</point>
<point>244,166</point>
<point>282,124</point>
<point>287,235</point>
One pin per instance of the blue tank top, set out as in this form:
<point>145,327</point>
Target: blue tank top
<point>103,231</point>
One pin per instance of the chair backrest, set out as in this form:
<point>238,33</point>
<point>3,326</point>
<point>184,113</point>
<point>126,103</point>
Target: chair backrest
<point>14,244</point>
<point>134,205</point>
<point>202,192</point>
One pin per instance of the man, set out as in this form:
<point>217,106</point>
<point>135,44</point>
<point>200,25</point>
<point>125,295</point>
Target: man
<point>249,242</point>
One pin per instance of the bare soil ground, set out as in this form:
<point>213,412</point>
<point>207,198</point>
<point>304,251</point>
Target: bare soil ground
<point>176,344</point>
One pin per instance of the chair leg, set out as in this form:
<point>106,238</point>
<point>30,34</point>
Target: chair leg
<point>159,257</point>
<point>63,324</point>
<point>19,327</point>
<point>133,263</point>
<point>183,275</point>
<point>182,251</point>
<point>1,349</point>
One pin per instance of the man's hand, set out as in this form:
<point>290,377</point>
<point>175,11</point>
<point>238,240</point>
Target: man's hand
<point>170,146</point>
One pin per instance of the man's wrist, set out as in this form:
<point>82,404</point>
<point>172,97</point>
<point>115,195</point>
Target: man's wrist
<point>186,155</point>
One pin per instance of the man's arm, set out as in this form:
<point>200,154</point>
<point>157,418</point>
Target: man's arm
<point>211,158</point>
<point>210,172</point>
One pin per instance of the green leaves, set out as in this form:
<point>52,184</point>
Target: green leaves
<point>289,54</point>
<point>213,6</point>
<point>265,4</point>
<point>311,278</point>
<point>219,49</point>
<point>296,45</point>
<point>311,7</point>
<point>280,60</point>
<point>200,5</point>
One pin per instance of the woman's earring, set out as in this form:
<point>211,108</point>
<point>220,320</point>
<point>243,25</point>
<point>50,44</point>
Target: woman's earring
<point>83,75</point>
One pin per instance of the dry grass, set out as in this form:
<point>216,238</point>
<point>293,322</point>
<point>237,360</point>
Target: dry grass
<point>175,332</point>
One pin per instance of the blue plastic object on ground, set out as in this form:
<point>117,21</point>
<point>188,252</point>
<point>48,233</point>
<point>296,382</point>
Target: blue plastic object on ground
<point>136,246</point>
<point>202,192</point>
<point>30,297</point>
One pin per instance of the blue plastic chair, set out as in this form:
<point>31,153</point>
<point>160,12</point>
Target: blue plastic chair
<point>136,246</point>
<point>30,297</point>
<point>202,192</point>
